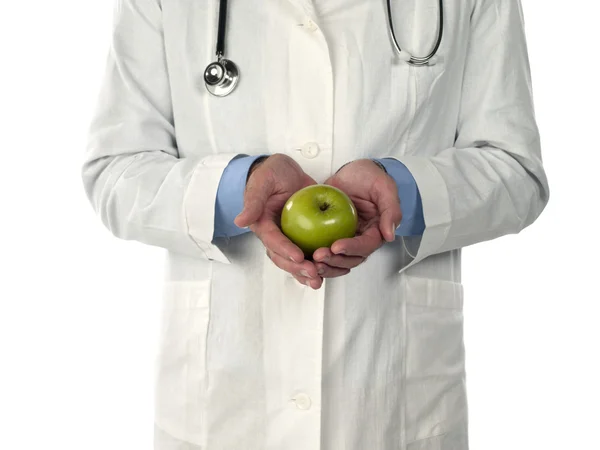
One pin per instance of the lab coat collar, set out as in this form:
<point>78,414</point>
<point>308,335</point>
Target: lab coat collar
<point>306,7</point>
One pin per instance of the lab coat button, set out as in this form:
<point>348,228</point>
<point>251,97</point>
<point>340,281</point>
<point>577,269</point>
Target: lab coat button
<point>310,25</point>
<point>302,401</point>
<point>310,150</point>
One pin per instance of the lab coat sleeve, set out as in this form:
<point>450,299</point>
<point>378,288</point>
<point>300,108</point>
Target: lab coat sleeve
<point>132,173</point>
<point>491,182</point>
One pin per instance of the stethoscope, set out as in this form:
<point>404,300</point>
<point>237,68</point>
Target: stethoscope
<point>222,76</point>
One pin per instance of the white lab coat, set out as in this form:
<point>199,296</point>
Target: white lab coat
<point>249,358</point>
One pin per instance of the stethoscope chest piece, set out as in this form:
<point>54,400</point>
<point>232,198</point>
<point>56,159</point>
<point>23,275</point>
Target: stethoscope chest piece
<point>221,77</point>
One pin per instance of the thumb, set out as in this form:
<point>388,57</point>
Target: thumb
<point>255,198</point>
<point>390,214</point>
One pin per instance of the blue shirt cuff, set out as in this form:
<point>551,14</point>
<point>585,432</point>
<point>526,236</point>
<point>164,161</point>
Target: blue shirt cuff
<point>230,196</point>
<point>413,222</point>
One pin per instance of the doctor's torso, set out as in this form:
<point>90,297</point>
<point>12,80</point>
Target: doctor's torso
<point>250,358</point>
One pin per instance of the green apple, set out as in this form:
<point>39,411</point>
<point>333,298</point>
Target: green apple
<point>317,216</point>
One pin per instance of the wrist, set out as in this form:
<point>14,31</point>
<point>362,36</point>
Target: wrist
<point>257,162</point>
<point>375,161</point>
<point>381,166</point>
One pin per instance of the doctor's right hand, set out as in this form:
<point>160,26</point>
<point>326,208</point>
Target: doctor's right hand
<point>269,186</point>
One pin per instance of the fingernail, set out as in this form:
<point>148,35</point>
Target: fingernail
<point>242,227</point>
<point>321,271</point>
<point>393,231</point>
<point>304,273</point>
<point>341,252</point>
<point>292,259</point>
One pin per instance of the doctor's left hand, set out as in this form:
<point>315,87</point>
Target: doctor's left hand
<point>375,195</point>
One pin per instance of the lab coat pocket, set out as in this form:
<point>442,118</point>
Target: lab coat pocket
<point>181,379</point>
<point>434,391</point>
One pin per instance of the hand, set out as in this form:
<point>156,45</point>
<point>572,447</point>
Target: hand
<point>270,184</point>
<point>375,196</point>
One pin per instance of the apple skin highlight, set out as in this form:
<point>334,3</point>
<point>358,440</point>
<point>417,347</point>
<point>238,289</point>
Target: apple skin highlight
<point>317,216</point>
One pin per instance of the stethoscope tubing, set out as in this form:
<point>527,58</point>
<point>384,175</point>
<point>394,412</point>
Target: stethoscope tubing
<point>222,76</point>
<point>220,52</point>
<point>416,60</point>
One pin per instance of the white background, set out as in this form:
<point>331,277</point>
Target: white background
<point>79,308</point>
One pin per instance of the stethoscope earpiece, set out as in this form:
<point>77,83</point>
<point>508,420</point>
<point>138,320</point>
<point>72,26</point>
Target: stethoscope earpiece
<point>221,77</point>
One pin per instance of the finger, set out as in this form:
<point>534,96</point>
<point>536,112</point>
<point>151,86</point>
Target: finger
<point>388,206</point>
<point>312,283</point>
<point>298,271</point>
<point>325,256</point>
<point>256,195</point>
<point>362,245</point>
<point>344,262</point>
<point>273,239</point>
<point>308,180</point>
<point>326,271</point>
<point>305,269</point>
<point>322,253</point>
